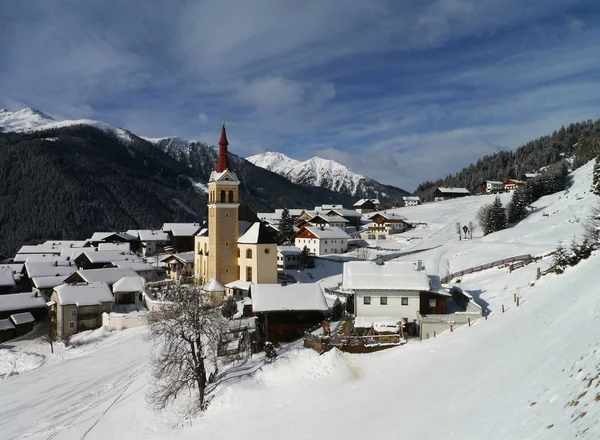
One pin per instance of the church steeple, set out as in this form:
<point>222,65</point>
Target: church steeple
<point>223,162</point>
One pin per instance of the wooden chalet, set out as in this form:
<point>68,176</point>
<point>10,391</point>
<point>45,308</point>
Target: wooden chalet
<point>384,223</point>
<point>442,193</point>
<point>511,185</point>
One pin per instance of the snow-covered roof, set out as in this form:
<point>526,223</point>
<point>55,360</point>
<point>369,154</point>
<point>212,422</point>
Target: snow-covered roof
<point>289,250</point>
<point>6,324</point>
<point>182,229</point>
<point>379,323</point>
<point>388,216</point>
<point>7,277</point>
<point>109,275</point>
<point>363,201</point>
<point>531,175</point>
<point>102,236</point>
<point>213,285</point>
<point>275,297</point>
<point>239,284</point>
<point>494,182</point>
<point>258,233</point>
<point>216,177</point>
<point>39,249</point>
<point>22,258</point>
<point>22,318</point>
<point>83,294</point>
<point>452,190</point>
<point>327,232</point>
<point>346,212</point>
<point>411,198</point>
<point>14,267</point>
<point>393,275</point>
<point>136,266</point>
<point>119,246</point>
<point>129,284</point>
<point>48,268</point>
<point>109,256</point>
<point>328,207</point>
<point>48,282</point>
<point>330,218</point>
<point>66,243</point>
<point>293,212</point>
<point>186,257</point>
<point>151,235</point>
<point>513,181</point>
<point>20,301</point>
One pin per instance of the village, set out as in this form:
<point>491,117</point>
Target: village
<point>367,301</point>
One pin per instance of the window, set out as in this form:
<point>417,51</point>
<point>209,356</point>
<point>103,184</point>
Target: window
<point>432,303</point>
<point>226,215</point>
<point>230,196</point>
<point>249,273</point>
<point>72,324</point>
<point>367,300</point>
<point>325,241</point>
<point>404,300</point>
<point>383,300</point>
<point>73,312</point>
<point>248,253</point>
<point>227,271</point>
<point>223,196</point>
<point>238,252</point>
<point>226,244</point>
<point>267,250</point>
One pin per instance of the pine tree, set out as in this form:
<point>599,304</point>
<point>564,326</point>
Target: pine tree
<point>574,254</point>
<point>517,208</point>
<point>270,352</point>
<point>229,308</point>
<point>561,256</point>
<point>286,228</point>
<point>596,181</point>
<point>338,310</point>
<point>497,216</point>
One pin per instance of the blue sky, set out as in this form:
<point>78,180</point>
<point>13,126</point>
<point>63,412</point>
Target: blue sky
<point>402,91</point>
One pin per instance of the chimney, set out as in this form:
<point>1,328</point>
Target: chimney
<point>379,260</point>
<point>420,266</point>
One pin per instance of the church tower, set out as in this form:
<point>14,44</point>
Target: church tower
<point>223,204</point>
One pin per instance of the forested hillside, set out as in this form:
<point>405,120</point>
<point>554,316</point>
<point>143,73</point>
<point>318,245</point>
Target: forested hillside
<point>580,141</point>
<point>71,181</point>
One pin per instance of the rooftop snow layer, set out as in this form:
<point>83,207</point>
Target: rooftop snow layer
<point>7,277</point>
<point>275,297</point>
<point>22,318</point>
<point>327,232</point>
<point>84,294</point>
<point>213,285</point>
<point>393,275</point>
<point>109,275</point>
<point>21,301</point>
<point>129,284</point>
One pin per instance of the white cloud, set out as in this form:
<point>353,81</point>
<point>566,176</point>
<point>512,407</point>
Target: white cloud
<point>202,117</point>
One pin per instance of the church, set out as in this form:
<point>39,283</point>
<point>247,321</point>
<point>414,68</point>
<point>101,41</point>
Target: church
<point>229,249</point>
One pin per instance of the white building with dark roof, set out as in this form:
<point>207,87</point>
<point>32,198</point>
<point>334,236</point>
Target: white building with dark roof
<point>442,193</point>
<point>322,240</point>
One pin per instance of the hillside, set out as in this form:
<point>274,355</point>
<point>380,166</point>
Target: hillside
<point>579,142</point>
<point>67,179</point>
<point>327,174</point>
<point>528,373</point>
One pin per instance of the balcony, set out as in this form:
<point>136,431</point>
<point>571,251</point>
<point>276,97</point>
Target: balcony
<point>87,316</point>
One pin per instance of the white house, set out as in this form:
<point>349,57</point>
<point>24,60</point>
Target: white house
<point>288,257</point>
<point>411,200</point>
<point>152,241</point>
<point>492,187</point>
<point>395,289</point>
<point>322,240</point>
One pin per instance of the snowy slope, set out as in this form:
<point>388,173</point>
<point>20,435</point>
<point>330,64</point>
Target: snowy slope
<point>321,172</point>
<point>30,119</point>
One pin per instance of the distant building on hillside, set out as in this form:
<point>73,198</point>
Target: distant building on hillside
<point>492,187</point>
<point>512,184</point>
<point>364,206</point>
<point>529,176</point>
<point>442,193</point>
<point>384,223</point>
<point>411,200</point>
<point>322,240</point>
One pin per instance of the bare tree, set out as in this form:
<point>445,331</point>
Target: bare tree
<point>591,225</point>
<point>186,334</point>
<point>458,229</point>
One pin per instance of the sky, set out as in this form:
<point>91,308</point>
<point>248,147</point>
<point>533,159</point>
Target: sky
<point>402,91</point>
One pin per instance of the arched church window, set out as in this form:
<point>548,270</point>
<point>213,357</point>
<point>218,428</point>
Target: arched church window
<point>230,196</point>
<point>222,196</point>
<point>249,253</point>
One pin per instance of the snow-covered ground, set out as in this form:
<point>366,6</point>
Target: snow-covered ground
<point>532,372</point>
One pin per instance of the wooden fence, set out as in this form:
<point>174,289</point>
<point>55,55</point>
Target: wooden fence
<point>522,259</point>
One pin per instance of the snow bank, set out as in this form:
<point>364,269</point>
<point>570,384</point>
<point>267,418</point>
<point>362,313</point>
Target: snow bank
<point>17,362</point>
<point>89,336</point>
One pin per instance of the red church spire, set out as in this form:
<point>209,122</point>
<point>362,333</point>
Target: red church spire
<point>223,162</point>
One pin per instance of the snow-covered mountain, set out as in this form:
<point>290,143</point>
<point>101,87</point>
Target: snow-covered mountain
<point>30,119</point>
<point>324,173</point>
